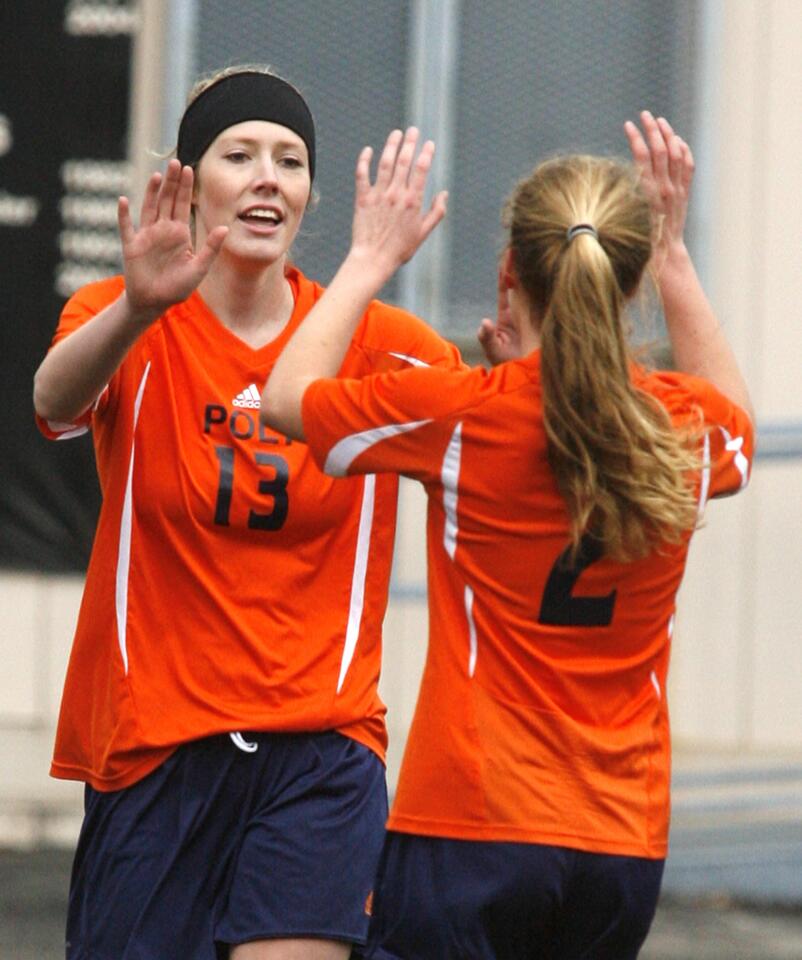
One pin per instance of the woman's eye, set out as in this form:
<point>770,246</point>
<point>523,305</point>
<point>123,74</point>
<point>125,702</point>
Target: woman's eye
<point>292,162</point>
<point>237,156</point>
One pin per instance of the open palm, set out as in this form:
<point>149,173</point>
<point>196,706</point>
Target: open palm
<point>160,264</point>
<point>389,220</point>
<point>666,167</point>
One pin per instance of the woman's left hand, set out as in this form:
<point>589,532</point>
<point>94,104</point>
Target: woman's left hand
<point>389,221</point>
<point>666,166</point>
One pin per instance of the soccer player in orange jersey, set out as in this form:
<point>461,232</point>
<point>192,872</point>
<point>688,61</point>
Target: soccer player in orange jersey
<point>531,817</point>
<point>221,701</point>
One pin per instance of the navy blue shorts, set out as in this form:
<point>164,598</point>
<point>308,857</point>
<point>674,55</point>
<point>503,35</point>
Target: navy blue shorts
<point>223,845</point>
<point>439,899</point>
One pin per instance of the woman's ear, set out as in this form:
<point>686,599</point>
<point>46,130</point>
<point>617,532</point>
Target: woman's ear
<point>508,278</point>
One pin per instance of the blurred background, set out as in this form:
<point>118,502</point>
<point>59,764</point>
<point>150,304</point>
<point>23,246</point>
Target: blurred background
<point>90,96</point>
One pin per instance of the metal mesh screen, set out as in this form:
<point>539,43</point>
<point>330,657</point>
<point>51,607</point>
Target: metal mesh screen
<point>535,78</point>
<point>348,59</point>
<point>531,78</point>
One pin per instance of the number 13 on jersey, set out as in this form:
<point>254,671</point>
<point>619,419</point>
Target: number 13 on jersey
<point>274,484</point>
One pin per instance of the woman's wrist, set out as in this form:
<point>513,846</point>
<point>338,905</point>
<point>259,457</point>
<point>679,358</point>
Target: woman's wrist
<point>366,270</point>
<point>675,256</point>
<point>137,316</point>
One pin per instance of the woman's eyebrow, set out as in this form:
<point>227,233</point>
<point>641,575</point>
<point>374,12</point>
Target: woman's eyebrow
<point>254,142</point>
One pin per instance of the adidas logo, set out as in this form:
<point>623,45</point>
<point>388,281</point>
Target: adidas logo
<point>248,398</point>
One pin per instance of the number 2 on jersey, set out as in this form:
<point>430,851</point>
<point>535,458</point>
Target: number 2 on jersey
<point>275,487</point>
<point>559,607</point>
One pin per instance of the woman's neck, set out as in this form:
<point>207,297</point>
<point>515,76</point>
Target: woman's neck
<point>255,305</point>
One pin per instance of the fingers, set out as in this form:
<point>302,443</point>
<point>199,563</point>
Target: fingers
<point>168,191</point>
<point>396,168</point>
<point>150,202</point>
<point>210,249</point>
<point>436,213</point>
<point>387,160</point>
<point>657,146</point>
<point>389,215</point>
<point>488,341</point>
<point>420,171</point>
<point>662,157</point>
<point>167,196</point>
<point>403,161</point>
<point>674,150</point>
<point>124,223</point>
<point>688,165</point>
<point>486,331</point>
<point>638,148</point>
<point>363,172</point>
<point>182,207</point>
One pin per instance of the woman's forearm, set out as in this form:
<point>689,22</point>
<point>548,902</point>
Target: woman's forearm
<point>389,225</point>
<point>76,370</point>
<point>698,342</point>
<point>318,346</point>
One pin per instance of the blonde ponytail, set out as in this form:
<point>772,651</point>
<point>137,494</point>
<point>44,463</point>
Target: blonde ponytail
<point>621,466</point>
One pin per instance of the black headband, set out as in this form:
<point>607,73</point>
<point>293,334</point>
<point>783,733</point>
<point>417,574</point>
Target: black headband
<point>240,97</point>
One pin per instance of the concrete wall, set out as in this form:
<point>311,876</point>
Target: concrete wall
<point>738,651</point>
<point>38,615</point>
<point>738,641</point>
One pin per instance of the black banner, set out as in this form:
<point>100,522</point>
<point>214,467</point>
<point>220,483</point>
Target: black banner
<point>64,101</point>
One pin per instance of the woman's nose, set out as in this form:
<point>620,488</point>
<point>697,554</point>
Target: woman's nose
<point>265,176</point>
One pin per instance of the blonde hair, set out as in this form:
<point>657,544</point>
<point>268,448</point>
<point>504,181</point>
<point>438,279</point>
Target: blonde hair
<point>622,468</point>
<point>210,79</point>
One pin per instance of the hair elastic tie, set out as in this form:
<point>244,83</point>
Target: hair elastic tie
<point>578,228</point>
<point>239,97</point>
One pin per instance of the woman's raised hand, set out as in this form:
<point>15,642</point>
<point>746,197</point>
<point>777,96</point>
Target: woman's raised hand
<point>500,340</point>
<point>666,169</point>
<point>161,267</point>
<point>389,221</point>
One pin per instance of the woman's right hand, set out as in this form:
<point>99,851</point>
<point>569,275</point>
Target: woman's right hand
<point>160,265</point>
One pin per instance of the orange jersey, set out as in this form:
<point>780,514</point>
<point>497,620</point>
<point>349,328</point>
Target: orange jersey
<point>232,586</point>
<point>542,715</point>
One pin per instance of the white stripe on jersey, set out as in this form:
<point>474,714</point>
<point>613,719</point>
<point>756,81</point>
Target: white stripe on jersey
<point>359,576</point>
<point>415,361</point>
<point>66,431</point>
<point>449,476</point>
<point>474,650</point>
<point>124,548</point>
<point>345,451</point>
<point>735,445</point>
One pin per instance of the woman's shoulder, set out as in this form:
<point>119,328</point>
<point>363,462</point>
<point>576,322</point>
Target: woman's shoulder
<point>382,321</point>
<point>391,331</point>
<point>684,394</point>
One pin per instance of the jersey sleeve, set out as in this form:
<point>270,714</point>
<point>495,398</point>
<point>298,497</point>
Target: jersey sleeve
<point>728,432</point>
<point>390,338</point>
<point>81,307</point>
<point>392,422</point>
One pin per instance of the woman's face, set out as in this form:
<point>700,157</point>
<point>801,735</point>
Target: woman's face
<point>254,178</point>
